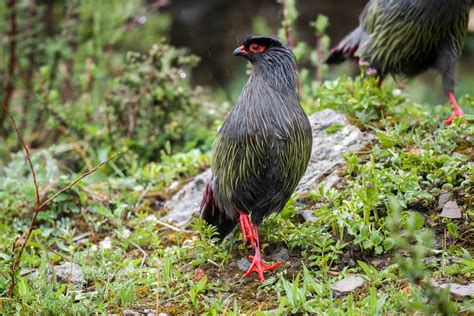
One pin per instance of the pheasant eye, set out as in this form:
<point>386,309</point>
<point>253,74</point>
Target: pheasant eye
<point>255,48</point>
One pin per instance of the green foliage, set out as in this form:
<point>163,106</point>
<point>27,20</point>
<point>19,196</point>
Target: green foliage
<point>417,242</point>
<point>358,97</point>
<point>74,61</point>
<point>152,105</point>
<point>90,97</point>
<point>195,291</point>
<point>208,247</point>
<point>171,168</point>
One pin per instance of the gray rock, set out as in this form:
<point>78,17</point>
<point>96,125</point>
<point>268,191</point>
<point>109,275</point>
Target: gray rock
<point>451,210</point>
<point>328,150</point>
<point>106,243</point>
<point>68,273</point>
<point>130,313</point>
<point>243,264</point>
<point>444,198</point>
<point>459,291</point>
<point>186,201</point>
<point>282,255</point>
<point>326,158</point>
<point>348,284</point>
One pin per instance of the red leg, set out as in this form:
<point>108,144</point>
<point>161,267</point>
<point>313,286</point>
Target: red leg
<point>457,110</point>
<point>257,263</point>
<point>246,227</point>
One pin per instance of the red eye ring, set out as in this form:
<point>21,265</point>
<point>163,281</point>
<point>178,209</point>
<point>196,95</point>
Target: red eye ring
<point>256,48</point>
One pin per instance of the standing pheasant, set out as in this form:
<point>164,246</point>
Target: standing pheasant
<point>262,150</point>
<point>408,37</point>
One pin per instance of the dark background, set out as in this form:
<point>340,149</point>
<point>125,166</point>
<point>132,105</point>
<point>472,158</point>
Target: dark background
<point>213,28</point>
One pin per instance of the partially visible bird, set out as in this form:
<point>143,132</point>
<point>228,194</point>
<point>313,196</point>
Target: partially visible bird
<point>408,37</point>
<point>262,149</point>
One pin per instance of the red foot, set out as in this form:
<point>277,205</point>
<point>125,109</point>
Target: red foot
<point>457,110</point>
<point>246,227</point>
<point>257,263</point>
<point>259,266</point>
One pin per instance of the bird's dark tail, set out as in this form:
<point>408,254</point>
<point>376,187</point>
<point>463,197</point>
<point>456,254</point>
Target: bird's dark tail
<point>211,213</point>
<point>346,48</point>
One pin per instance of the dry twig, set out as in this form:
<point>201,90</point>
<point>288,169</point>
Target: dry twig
<point>39,206</point>
<point>174,228</point>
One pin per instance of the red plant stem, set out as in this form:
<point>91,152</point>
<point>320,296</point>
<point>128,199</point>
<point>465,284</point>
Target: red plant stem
<point>78,179</point>
<point>39,205</point>
<point>10,87</point>
<point>27,154</point>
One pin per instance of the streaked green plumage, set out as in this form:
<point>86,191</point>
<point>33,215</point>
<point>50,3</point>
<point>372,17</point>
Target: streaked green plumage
<point>411,32</point>
<point>263,148</point>
<point>408,37</point>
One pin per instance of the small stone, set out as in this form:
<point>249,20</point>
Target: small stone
<point>458,290</point>
<point>348,284</point>
<point>126,233</point>
<point>106,243</point>
<point>308,216</point>
<point>243,264</point>
<point>444,198</point>
<point>174,185</point>
<point>282,255</point>
<point>451,210</point>
<point>68,273</point>
<point>130,313</point>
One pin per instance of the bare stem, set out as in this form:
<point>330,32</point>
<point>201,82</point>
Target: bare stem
<point>39,206</point>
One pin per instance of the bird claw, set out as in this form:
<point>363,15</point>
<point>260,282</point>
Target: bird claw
<point>457,110</point>
<point>247,231</point>
<point>260,267</point>
<point>453,117</point>
<point>250,231</point>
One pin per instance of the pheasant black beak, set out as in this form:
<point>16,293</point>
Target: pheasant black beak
<point>240,51</point>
